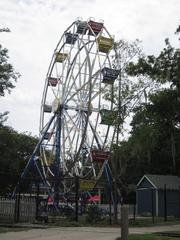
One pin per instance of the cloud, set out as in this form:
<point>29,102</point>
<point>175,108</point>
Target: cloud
<point>37,25</point>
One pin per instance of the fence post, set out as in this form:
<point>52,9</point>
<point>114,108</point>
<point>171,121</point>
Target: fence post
<point>134,211</point>
<point>17,207</point>
<point>152,202</point>
<point>124,222</point>
<point>179,202</point>
<point>37,201</point>
<point>115,205</point>
<point>165,203</point>
<point>110,206</point>
<point>77,197</point>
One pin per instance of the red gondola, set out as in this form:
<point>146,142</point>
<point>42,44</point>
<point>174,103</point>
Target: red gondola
<point>95,26</point>
<point>100,155</point>
<point>52,81</point>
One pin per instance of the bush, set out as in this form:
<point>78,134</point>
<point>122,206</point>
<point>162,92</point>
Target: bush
<point>94,214</point>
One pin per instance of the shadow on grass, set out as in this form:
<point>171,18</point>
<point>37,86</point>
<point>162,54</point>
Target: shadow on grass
<point>12,229</point>
<point>148,237</point>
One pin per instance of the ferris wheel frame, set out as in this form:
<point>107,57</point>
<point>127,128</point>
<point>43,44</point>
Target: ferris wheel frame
<point>74,139</point>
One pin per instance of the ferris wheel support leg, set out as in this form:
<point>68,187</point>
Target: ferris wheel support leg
<point>57,161</point>
<point>114,194</point>
<point>109,178</point>
<point>17,188</point>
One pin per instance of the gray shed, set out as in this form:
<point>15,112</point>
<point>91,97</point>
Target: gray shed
<point>158,195</point>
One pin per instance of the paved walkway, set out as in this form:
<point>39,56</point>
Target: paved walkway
<point>80,233</point>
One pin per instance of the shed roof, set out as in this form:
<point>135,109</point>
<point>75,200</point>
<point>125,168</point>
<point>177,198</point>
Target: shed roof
<point>159,181</point>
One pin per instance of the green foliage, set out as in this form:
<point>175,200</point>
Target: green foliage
<point>7,73</point>
<point>8,76</point>
<point>163,68</point>
<point>15,150</point>
<point>154,141</point>
<point>3,117</point>
<point>94,214</point>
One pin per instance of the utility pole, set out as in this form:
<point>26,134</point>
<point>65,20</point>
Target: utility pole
<point>117,136</point>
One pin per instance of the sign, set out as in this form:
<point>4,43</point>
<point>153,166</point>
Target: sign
<point>95,198</point>
<point>86,184</point>
<point>50,200</point>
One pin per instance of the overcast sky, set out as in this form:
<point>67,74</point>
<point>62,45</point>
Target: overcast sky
<point>37,25</point>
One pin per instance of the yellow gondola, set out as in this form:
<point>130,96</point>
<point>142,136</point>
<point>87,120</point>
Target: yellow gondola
<point>105,44</point>
<point>61,57</point>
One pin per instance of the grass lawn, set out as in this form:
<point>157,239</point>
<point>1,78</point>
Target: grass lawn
<point>11,229</point>
<point>145,222</point>
<point>148,237</point>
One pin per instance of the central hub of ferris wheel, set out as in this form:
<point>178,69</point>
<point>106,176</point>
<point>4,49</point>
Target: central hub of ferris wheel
<point>77,120</point>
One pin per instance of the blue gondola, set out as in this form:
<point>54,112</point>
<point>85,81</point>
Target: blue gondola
<point>71,38</point>
<point>109,75</point>
<point>47,136</point>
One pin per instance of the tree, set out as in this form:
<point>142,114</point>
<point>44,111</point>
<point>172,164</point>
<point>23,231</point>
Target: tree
<point>7,73</point>
<point>15,150</point>
<point>127,93</point>
<point>149,90</point>
<point>165,68</point>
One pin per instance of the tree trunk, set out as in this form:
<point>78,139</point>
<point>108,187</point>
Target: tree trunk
<point>149,158</point>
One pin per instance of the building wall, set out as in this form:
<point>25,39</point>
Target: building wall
<point>145,184</point>
<point>172,203</point>
<point>146,201</point>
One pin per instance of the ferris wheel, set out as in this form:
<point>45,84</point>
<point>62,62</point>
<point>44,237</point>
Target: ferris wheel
<point>77,119</point>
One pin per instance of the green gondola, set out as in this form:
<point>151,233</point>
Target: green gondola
<point>108,117</point>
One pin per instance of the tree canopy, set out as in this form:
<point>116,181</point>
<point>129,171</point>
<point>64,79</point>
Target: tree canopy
<point>8,76</point>
<point>15,150</point>
<point>154,141</point>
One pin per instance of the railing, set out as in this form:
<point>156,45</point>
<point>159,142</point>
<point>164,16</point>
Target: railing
<point>21,210</point>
